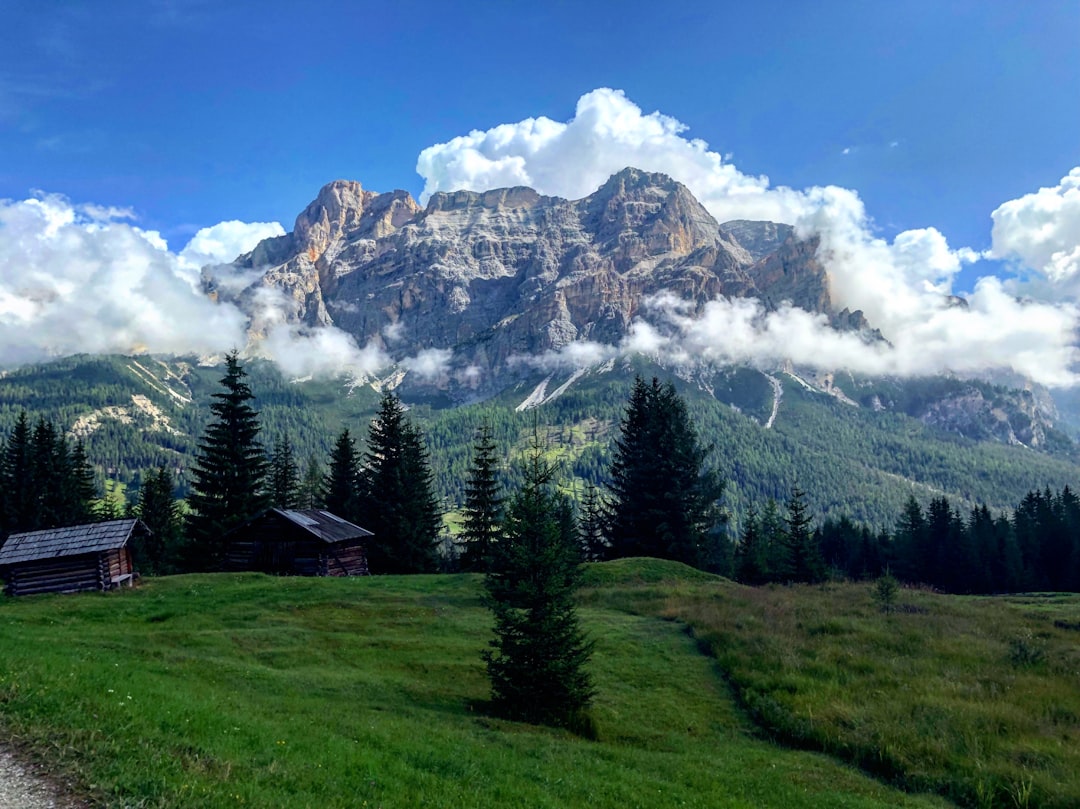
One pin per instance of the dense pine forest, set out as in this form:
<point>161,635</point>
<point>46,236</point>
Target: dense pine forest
<point>612,475</point>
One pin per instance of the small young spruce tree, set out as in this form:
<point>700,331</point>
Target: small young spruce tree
<point>537,659</point>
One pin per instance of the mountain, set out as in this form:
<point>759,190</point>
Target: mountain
<point>509,273</point>
<point>495,280</point>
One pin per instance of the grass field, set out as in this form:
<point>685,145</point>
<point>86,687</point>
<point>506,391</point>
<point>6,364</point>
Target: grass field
<point>225,690</point>
<point>228,690</point>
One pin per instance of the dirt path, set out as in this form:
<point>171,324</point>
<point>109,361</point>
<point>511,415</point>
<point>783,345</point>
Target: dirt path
<point>21,788</point>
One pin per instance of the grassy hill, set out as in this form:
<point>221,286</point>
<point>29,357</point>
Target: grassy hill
<point>230,690</point>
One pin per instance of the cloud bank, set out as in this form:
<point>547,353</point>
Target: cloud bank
<point>82,279</point>
<point>901,286</point>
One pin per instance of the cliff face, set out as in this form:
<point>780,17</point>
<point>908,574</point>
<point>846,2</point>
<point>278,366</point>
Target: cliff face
<point>507,272</point>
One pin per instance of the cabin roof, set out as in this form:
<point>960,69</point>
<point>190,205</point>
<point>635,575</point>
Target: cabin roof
<point>328,527</point>
<point>70,540</point>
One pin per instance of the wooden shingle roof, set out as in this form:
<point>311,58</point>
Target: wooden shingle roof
<point>322,524</point>
<point>71,540</point>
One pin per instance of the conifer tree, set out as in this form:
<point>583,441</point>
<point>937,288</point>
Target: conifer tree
<point>17,469</point>
<point>664,501</point>
<point>752,553</point>
<point>592,526</point>
<point>342,494</point>
<point>229,473</point>
<point>284,475</point>
<point>82,490</point>
<point>802,558</point>
<point>400,506</point>
<point>159,510</point>
<point>311,485</point>
<point>483,509</point>
<point>536,662</point>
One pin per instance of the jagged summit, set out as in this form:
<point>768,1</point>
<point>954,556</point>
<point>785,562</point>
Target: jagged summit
<point>501,274</point>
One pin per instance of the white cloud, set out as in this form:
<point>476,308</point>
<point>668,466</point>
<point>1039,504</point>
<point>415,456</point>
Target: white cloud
<point>225,241</point>
<point>429,364</point>
<point>1042,231</point>
<point>73,279</point>
<point>901,286</point>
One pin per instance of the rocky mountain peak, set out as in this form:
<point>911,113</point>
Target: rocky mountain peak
<point>343,210</point>
<point>640,214</point>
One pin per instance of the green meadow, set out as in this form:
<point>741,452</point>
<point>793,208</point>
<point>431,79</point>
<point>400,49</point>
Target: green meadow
<point>233,690</point>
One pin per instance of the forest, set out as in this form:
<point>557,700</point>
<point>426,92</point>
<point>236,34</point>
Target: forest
<point>412,477</point>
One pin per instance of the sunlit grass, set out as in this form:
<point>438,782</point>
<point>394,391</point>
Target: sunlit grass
<point>224,690</point>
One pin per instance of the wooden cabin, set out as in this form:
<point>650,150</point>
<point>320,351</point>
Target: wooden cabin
<point>76,558</point>
<point>298,542</point>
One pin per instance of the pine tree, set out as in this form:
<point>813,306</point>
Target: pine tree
<point>592,527</point>
<point>17,473</point>
<point>483,509</point>
<point>229,472</point>
<point>81,490</point>
<point>663,499</point>
<point>159,510</point>
<point>752,553</point>
<point>400,505</point>
<point>310,494</point>
<point>284,476</point>
<point>342,494</point>
<point>537,659</point>
<point>802,558</point>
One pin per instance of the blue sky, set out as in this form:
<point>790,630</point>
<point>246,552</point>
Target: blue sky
<point>194,112</point>
<point>934,147</point>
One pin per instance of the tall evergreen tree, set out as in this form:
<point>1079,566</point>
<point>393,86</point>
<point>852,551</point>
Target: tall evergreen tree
<point>229,473</point>
<point>664,501</point>
<point>342,494</point>
<point>752,553</point>
<point>801,560</point>
<point>310,494</point>
<point>160,511</point>
<point>82,491</point>
<point>483,509</point>
<point>400,505</point>
<point>17,471</point>
<point>284,475</point>
<point>537,659</point>
<point>592,526</point>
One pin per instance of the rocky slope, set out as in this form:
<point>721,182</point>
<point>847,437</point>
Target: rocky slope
<point>510,272</point>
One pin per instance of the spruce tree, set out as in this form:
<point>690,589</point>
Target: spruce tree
<point>284,475</point>
<point>159,510</point>
<point>400,506</point>
<point>81,489</point>
<point>229,473</point>
<point>536,662</point>
<point>752,553</point>
<point>802,558</point>
<point>483,509</point>
<point>592,526</point>
<point>17,473</point>
<point>310,494</point>
<point>664,501</point>
<point>342,493</point>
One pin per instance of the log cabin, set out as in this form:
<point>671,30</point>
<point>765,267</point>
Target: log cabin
<point>72,559</point>
<point>297,542</point>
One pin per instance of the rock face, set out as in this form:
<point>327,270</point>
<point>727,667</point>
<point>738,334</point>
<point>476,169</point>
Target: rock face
<point>511,272</point>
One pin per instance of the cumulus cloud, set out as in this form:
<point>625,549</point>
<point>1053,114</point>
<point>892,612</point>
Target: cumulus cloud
<point>225,241</point>
<point>902,286</point>
<point>78,278</point>
<point>1041,230</point>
